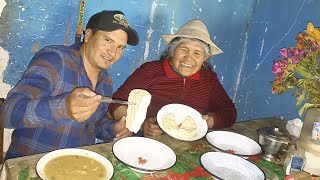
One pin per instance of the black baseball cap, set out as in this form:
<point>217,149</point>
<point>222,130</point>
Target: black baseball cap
<point>111,21</point>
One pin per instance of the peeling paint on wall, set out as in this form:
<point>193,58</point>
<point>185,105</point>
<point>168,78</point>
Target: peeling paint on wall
<point>154,6</point>
<point>199,8</point>
<point>146,51</point>
<point>4,58</point>
<point>2,5</point>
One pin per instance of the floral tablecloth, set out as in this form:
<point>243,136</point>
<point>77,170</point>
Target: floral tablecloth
<point>187,166</point>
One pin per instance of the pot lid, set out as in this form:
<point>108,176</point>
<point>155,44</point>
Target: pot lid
<point>274,132</point>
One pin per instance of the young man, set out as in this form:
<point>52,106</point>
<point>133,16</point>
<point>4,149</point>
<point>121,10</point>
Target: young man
<point>45,108</point>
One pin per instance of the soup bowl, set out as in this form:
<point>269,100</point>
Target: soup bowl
<point>69,152</point>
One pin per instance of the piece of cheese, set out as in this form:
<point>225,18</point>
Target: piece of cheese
<point>187,129</point>
<point>136,114</point>
<point>169,122</point>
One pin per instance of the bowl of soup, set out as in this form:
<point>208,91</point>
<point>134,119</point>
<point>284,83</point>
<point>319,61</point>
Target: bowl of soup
<point>74,163</point>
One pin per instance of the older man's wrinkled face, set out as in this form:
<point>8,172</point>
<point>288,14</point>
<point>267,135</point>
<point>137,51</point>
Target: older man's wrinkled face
<point>188,57</point>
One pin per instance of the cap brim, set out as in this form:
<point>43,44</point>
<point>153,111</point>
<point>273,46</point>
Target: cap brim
<point>214,49</point>
<point>133,37</point>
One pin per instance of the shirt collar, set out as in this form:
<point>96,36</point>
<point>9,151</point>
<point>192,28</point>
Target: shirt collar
<point>75,52</point>
<point>173,74</point>
<point>77,56</point>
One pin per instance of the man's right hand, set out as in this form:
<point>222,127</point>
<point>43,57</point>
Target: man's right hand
<point>79,108</point>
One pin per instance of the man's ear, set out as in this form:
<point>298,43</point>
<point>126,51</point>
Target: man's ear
<point>87,35</point>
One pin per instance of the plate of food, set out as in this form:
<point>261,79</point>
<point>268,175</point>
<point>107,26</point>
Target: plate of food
<point>74,163</point>
<point>233,143</point>
<point>182,122</point>
<point>229,167</point>
<point>143,154</point>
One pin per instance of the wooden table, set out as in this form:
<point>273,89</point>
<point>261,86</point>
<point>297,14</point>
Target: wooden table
<point>187,165</point>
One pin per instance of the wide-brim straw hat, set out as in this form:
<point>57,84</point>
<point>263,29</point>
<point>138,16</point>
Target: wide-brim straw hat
<point>194,29</point>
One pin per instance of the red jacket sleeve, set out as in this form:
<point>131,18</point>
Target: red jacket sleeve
<point>223,109</point>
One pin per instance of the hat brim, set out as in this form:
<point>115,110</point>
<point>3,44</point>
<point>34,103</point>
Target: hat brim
<point>214,49</point>
<point>133,37</point>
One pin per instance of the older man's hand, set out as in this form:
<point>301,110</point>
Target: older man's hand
<point>151,127</point>
<point>209,119</point>
<point>120,129</point>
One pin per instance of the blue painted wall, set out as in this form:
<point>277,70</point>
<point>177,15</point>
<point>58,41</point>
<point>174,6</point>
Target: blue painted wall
<point>250,32</point>
<point>274,24</point>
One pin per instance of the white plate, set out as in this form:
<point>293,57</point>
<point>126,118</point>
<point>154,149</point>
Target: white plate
<point>141,171</point>
<point>144,154</point>
<point>73,151</point>
<point>233,143</point>
<point>227,166</point>
<point>180,112</point>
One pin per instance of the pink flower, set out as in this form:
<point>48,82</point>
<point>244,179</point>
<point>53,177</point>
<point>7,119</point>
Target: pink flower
<point>292,53</point>
<point>298,69</point>
<point>297,52</point>
<point>284,52</point>
<point>279,67</point>
<point>295,55</point>
<point>295,60</point>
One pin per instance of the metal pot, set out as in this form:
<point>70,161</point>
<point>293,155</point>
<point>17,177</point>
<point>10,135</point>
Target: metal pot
<point>274,142</point>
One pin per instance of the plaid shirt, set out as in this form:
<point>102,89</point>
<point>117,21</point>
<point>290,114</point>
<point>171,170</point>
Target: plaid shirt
<point>35,108</point>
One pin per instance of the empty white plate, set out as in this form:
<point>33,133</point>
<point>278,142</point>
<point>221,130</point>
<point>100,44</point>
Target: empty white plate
<point>180,113</point>
<point>233,143</point>
<point>144,154</point>
<point>230,167</point>
<point>73,151</point>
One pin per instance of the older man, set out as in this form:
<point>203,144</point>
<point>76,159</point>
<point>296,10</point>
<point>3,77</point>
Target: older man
<point>181,77</point>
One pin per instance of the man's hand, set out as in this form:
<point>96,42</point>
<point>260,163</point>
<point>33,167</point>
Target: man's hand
<point>120,112</point>
<point>151,127</point>
<point>79,108</point>
<point>120,129</point>
<point>209,120</point>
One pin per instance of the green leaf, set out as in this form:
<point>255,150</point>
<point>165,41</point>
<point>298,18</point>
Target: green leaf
<point>306,106</point>
<point>24,173</point>
<point>301,98</point>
